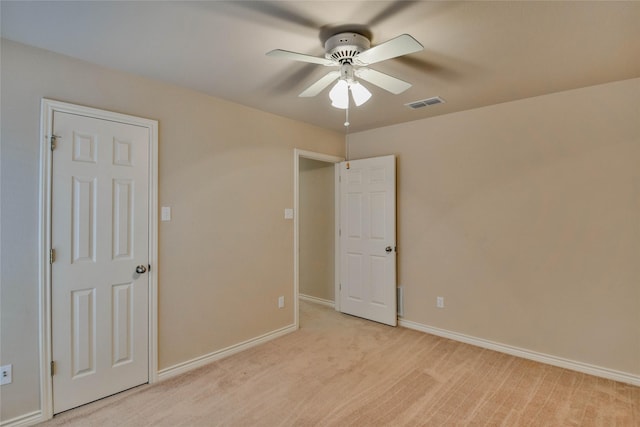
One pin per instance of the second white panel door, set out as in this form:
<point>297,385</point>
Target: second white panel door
<point>368,239</point>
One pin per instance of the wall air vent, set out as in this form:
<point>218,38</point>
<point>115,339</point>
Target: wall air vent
<point>425,102</point>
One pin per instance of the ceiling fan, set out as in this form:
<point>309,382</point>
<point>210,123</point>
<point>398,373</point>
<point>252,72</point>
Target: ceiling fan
<point>352,53</point>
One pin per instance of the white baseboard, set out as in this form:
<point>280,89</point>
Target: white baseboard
<point>317,300</point>
<point>527,354</point>
<point>183,367</point>
<point>30,419</point>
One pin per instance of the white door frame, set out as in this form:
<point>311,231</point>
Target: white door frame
<point>48,107</point>
<point>297,155</point>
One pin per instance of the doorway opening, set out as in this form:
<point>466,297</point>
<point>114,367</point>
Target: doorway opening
<point>316,220</point>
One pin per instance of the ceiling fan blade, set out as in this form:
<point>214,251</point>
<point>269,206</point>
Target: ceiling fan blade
<point>401,45</point>
<point>318,86</point>
<point>277,10</point>
<point>391,9</point>
<point>385,81</point>
<point>294,56</point>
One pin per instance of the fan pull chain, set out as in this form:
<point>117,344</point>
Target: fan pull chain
<point>346,122</point>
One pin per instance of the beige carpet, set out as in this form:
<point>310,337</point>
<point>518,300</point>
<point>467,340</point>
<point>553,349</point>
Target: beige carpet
<point>342,371</point>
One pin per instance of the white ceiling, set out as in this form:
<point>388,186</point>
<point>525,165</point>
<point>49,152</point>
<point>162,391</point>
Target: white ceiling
<point>476,53</point>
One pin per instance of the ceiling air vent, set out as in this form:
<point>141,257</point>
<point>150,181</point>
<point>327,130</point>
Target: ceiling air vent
<point>425,103</point>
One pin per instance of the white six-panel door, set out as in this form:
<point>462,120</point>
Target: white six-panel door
<point>368,239</point>
<point>100,235</point>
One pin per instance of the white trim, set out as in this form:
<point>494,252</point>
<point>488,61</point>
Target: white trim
<point>561,362</point>
<point>337,260</point>
<point>44,244</point>
<point>297,154</point>
<point>153,251</point>
<point>29,419</point>
<point>197,362</point>
<point>316,300</point>
<point>47,109</point>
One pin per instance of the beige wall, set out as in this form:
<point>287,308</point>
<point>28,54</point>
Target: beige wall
<point>525,217</point>
<point>316,223</point>
<point>227,172</point>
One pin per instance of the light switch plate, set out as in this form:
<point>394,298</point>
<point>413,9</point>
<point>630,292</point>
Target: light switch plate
<point>165,213</point>
<point>288,213</point>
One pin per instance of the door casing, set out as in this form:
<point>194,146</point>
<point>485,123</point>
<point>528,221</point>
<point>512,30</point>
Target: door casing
<point>48,107</point>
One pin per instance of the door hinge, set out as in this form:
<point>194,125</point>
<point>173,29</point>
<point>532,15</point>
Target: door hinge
<point>52,256</point>
<point>340,286</point>
<point>148,267</point>
<point>52,140</point>
<point>340,232</point>
<point>53,368</point>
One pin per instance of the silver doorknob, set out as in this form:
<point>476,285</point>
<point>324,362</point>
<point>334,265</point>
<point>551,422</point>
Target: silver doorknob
<point>141,269</point>
<point>388,249</point>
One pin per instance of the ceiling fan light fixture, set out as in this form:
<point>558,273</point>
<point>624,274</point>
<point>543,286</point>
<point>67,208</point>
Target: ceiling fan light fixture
<point>339,95</point>
<point>360,93</point>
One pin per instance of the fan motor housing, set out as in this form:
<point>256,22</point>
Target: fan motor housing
<point>344,46</point>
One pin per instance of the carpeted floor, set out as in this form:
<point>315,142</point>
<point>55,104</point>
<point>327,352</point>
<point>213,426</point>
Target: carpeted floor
<point>339,370</point>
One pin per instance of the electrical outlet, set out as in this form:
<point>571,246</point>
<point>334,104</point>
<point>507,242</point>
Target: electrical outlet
<point>5,374</point>
<point>440,302</point>
<point>280,302</point>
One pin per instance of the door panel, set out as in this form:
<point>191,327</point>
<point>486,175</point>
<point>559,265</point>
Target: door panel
<point>354,277</point>
<point>83,332</point>
<point>83,219</point>
<point>368,228</point>
<point>100,233</point>
<point>123,334</point>
<point>122,218</point>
